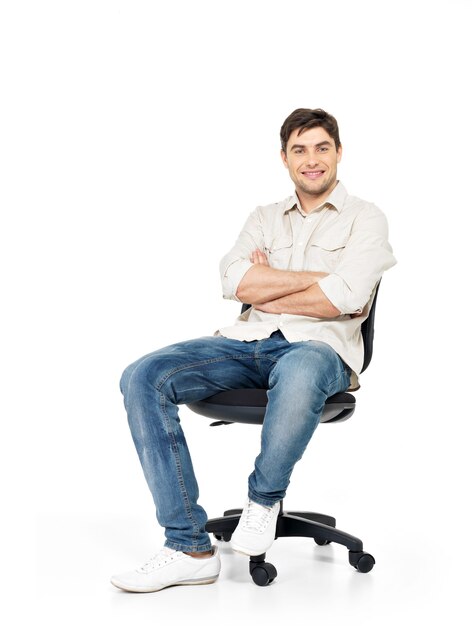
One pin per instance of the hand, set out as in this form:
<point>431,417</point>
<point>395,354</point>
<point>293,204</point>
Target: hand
<point>258,258</point>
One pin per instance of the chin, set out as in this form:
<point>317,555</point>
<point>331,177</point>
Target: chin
<point>315,191</point>
<point>320,189</point>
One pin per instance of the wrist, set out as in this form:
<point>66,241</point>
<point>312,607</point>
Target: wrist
<point>315,277</point>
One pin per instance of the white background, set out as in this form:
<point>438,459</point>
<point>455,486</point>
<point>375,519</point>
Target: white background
<point>135,139</point>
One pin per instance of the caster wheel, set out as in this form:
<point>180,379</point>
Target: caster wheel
<point>322,542</point>
<point>222,536</point>
<point>362,561</point>
<point>263,574</point>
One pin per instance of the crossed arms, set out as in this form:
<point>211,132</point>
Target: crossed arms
<point>247,277</point>
<point>281,291</point>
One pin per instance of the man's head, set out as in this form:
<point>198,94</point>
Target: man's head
<point>303,119</point>
<point>311,150</point>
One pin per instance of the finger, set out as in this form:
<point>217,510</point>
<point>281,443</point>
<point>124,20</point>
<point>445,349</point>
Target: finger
<point>257,256</point>
<point>262,258</point>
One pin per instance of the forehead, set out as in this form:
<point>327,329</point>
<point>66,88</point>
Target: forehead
<point>309,137</point>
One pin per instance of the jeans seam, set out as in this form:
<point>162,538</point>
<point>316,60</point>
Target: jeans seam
<point>167,375</point>
<point>180,478</point>
<point>259,357</point>
<point>335,381</point>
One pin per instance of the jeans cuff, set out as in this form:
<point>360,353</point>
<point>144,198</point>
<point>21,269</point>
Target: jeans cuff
<point>262,501</point>
<point>181,548</point>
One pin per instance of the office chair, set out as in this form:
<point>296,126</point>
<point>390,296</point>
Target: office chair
<point>247,406</point>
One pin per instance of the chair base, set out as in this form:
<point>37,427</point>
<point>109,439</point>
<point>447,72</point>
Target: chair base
<point>322,528</point>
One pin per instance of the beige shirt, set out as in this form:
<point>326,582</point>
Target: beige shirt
<point>346,237</point>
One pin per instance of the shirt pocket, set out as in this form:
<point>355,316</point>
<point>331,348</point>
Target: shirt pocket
<point>279,252</point>
<point>325,251</point>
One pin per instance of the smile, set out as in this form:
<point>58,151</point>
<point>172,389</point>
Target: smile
<point>313,175</point>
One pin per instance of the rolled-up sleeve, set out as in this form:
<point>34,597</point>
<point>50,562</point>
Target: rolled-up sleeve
<point>365,257</point>
<point>236,262</point>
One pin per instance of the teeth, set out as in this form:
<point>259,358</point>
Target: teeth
<point>313,174</point>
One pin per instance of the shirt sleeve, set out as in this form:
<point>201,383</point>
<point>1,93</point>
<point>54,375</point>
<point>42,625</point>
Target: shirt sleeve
<point>360,267</point>
<point>236,262</point>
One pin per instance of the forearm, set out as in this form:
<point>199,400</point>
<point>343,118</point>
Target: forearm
<point>262,283</point>
<point>311,302</point>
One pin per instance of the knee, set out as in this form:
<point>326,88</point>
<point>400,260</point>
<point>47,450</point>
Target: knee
<point>139,373</point>
<point>125,377</point>
<point>308,371</point>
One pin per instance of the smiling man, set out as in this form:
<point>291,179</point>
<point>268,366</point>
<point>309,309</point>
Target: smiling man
<point>309,266</point>
<point>312,161</point>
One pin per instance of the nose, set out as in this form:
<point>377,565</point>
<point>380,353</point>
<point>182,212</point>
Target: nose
<point>312,158</point>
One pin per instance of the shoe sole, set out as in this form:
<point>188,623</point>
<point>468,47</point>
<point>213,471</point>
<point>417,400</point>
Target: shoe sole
<point>245,552</point>
<point>198,581</point>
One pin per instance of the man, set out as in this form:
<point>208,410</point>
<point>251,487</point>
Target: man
<point>309,266</point>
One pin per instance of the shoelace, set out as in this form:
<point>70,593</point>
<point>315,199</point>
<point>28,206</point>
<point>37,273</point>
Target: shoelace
<point>164,556</point>
<point>257,516</point>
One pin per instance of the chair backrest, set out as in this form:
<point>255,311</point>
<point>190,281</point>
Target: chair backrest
<point>367,329</point>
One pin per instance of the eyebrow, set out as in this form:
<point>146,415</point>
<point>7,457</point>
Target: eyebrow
<point>317,145</point>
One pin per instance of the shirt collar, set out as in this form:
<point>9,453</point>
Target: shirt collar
<point>336,200</point>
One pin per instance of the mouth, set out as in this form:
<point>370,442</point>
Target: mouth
<point>313,174</point>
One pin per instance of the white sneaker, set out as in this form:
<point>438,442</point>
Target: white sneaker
<point>170,567</point>
<point>255,532</point>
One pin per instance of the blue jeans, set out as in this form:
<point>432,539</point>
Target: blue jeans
<point>299,377</point>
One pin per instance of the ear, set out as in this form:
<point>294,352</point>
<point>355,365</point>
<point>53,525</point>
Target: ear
<point>339,154</point>
<point>284,158</point>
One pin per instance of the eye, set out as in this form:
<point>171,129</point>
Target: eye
<point>323,149</point>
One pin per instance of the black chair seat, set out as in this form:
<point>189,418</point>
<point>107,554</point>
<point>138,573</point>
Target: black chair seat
<point>247,406</point>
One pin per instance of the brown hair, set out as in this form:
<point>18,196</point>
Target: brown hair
<point>303,119</point>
